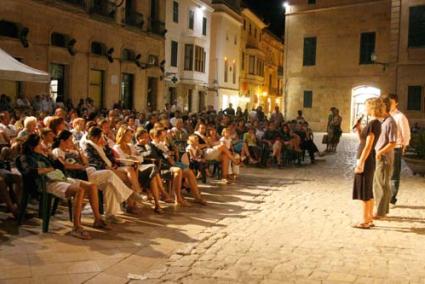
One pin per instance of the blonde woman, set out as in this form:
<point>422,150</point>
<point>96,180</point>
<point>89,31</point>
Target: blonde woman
<point>365,167</point>
<point>148,174</point>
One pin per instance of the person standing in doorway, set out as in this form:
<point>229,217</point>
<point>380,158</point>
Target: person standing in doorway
<point>403,140</point>
<point>384,162</point>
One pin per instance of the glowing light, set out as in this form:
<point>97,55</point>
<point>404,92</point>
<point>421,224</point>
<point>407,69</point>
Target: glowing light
<point>285,5</point>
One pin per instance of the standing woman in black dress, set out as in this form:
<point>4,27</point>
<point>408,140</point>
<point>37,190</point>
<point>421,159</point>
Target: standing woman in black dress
<point>365,167</point>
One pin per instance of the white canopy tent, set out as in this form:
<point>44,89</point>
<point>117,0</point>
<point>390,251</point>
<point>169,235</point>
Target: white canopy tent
<point>13,70</point>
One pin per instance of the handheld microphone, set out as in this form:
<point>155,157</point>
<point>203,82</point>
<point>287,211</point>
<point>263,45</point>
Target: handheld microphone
<point>358,121</point>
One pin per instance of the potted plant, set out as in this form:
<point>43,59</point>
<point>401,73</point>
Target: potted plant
<point>415,157</point>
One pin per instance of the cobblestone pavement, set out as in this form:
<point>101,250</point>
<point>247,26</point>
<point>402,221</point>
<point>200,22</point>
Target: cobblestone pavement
<point>273,226</point>
<point>299,231</point>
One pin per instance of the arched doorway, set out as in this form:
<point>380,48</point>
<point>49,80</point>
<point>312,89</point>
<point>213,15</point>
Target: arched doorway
<point>359,95</point>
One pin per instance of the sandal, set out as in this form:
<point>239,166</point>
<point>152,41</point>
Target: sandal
<point>364,226</point>
<point>158,210</point>
<point>81,234</point>
<point>100,224</point>
<point>201,201</point>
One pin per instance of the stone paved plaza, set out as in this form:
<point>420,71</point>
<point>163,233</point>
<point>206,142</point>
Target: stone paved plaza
<point>273,226</point>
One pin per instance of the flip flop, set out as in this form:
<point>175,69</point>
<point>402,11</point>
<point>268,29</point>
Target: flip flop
<point>81,234</point>
<point>363,226</point>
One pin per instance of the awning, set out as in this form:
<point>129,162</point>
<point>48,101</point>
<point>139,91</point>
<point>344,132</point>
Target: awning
<point>13,70</point>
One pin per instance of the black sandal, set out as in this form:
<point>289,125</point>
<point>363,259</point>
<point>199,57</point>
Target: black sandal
<point>364,226</point>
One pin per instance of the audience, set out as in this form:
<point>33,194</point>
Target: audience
<point>124,154</point>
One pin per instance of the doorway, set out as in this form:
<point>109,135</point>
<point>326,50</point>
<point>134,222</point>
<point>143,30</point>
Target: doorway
<point>201,105</point>
<point>96,90</point>
<point>359,95</point>
<point>57,82</point>
<point>127,87</point>
<point>152,93</point>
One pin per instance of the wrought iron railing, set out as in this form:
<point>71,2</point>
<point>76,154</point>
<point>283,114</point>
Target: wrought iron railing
<point>135,19</point>
<point>104,8</point>
<point>157,27</point>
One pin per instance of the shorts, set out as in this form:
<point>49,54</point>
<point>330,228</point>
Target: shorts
<point>59,188</point>
<point>212,154</point>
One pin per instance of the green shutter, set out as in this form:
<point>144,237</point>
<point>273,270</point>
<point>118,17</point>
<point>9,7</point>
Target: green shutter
<point>309,51</point>
<point>308,99</point>
<point>414,98</point>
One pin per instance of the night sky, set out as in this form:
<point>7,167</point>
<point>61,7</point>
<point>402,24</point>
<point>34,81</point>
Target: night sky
<point>272,13</point>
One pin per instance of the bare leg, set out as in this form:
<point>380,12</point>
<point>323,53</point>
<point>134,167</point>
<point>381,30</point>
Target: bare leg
<point>188,174</point>
<point>155,192</point>
<point>78,194</point>
<point>177,185</point>
<point>91,192</point>
<point>224,166</point>
<point>4,195</point>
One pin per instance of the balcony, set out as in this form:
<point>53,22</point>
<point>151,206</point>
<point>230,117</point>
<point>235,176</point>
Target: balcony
<point>135,19</point>
<point>103,8</point>
<point>234,4</point>
<point>157,27</point>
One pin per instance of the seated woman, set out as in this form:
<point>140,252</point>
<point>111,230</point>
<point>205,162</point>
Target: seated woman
<point>272,141</point>
<point>30,127</point>
<point>156,146</point>
<point>196,159</point>
<point>104,161</point>
<point>214,152</point>
<point>239,146</point>
<point>250,140</point>
<point>34,163</point>
<point>76,165</point>
<point>128,157</point>
<point>290,139</point>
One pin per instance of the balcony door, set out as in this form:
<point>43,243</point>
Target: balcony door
<point>152,99</point>
<point>127,90</point>
<point>96,91</point>
<point>57,82</point>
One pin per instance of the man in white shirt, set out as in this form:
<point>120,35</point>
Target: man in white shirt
<point>403,140</point>
<point>7,131</point>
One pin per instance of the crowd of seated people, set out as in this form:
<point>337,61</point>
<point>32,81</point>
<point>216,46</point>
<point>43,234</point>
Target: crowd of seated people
<point>136,159</point>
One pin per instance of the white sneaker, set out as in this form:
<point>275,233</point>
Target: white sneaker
<point>112,219</point>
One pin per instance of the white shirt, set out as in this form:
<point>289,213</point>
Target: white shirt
<point>10,130</point>
<point>403,128</point>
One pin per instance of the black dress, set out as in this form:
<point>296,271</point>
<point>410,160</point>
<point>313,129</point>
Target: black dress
<point>363,183</point>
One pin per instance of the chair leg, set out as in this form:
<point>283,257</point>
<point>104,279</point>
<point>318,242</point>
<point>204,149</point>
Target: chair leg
<point>23,206</point>
<point>46,201</point>
<point>70,209</point>
<point>55,206</point>
<point>101,209</point>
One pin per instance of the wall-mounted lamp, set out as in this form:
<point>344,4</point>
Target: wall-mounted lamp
<point>374,58</point>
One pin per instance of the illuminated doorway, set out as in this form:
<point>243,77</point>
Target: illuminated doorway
<point>359,95</point>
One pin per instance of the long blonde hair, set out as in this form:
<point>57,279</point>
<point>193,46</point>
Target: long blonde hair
<point>122,131</point>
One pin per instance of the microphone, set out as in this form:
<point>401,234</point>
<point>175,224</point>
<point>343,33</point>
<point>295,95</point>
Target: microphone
<point>358,121</point>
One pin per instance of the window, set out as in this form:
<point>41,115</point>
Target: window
<point>175,11</point>
<point>8,29</point>
<point>244,24</point>
<point>153,59</point>
<point>260,67</point>
<point>174,53</point>
<point>191,19</point>
<point>243,61</point>
<point>255,32</point>
<point>308,99</point>
<point>414,98</point>
<point>188,57</point>
<point>417,26</point>
<point>250,29</point>
<point>226,69</point>
<point>367,47</point>
<point>234,71</point>
<point>200,55</point>
<point>251,65</point>
<point>98,48</point>
<point>204,26</point>
<point>311,2</point>
<point>57,39</point>
<point>309,58</point>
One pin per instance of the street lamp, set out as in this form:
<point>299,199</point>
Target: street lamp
<point>285,5</point>
<point>374,58</point>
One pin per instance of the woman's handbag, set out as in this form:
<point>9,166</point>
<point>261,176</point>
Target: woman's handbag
<point>325,139</point>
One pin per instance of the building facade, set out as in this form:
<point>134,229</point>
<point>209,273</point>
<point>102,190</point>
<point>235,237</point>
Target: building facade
<point>253,59</point>
<point>273,48</point>
<point>338,53</point>
<point>105,50</point>
<point>225,54</point>
<point>187,53</point>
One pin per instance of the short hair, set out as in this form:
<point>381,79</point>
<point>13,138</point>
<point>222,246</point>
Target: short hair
<point>55,122</point>
<point>45,131</point>
<point>387,102</point>
<point>94,132</point>
<point>139,132</point>
<point>29,120</point>
<point>76,121</point>
<point>393,97</point>
<point>156,132</point>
